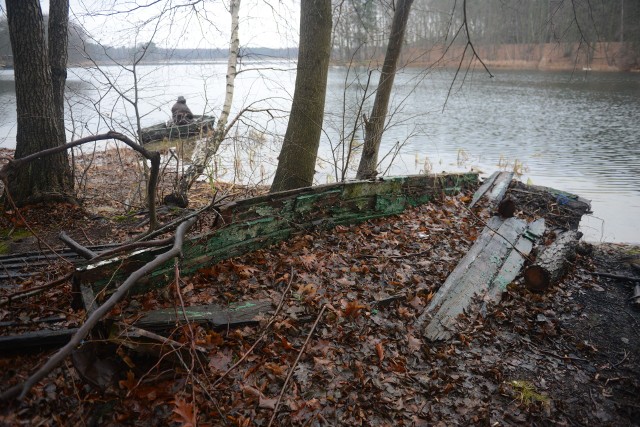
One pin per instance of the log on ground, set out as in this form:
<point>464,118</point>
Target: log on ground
<point>553,262</point>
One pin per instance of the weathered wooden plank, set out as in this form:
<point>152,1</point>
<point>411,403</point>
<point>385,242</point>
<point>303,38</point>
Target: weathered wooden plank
<point>36,340</point>
<point>514,262</point>
<point>486,185</point>
<point>490,265</point>
<point>500,186</point>
<point>258,222</point>
<point>234,314</point>
<point>458,273</point>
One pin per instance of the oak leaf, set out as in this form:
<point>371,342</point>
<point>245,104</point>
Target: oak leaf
<point>353,309</point>
<point>184,413</point>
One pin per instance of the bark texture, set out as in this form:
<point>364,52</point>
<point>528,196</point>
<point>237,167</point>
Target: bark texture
<point>553,262</point>
<point>374,127</point>
<point>297,160</point>
<point>58,56</point>
<point>38,125</point>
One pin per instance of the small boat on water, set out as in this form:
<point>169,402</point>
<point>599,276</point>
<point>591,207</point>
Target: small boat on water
<point>169,130</point>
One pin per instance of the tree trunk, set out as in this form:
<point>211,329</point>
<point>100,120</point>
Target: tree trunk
<point>297,160</point>
<point>374,127</point>
<point>58,54</point>
<point>38,125</point>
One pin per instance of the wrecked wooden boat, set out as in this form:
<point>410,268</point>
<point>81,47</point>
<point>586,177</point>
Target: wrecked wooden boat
<point>201,125</point>
<point>496,259</point>
<point>243,226</point>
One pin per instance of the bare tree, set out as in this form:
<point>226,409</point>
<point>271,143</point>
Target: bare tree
<point>208,147</point>
<point>39,108</point>
<point>375,124</point>
<point>297,160</point>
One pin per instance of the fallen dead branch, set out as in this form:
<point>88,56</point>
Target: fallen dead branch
<point>21,390</point>
<point>152,156</point>
<point>76,247</point>
<point>552,264</point>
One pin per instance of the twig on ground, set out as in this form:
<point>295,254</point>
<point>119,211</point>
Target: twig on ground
<point>398,256</point>
<point>295,363</point>
<point>614,276</point>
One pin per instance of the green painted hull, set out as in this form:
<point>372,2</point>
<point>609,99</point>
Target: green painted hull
<point>258,222</point>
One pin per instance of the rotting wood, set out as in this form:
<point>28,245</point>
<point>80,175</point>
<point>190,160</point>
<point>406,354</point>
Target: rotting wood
<point>491,264</point>
<point>21,390</point>
<point>559,208</point>
<point>506,208</point>
<point>258,222</point>
<point>36,340</point>
<point>553,261</point>
<point>481,191</point>
<point>500,187</point>
<point>232,315</point>
<point>215,316</point>
<point>495,187</point>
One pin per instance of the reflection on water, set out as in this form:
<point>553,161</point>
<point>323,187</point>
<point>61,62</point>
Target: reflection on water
<point>576,132</point>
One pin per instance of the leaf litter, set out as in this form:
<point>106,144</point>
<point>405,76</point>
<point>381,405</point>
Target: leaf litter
<point>567,357</point>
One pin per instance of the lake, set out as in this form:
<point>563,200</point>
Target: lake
<point>578,132</point>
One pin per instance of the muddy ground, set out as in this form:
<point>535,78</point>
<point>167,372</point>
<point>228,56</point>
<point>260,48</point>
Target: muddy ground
<point>569,356</point>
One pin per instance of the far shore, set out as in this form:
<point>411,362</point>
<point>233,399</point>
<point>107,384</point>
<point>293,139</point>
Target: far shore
<point>602,57</point>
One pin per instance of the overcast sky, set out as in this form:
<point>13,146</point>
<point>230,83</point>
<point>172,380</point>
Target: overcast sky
<point>187,23</point>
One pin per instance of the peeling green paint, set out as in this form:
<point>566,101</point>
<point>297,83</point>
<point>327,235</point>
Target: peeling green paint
<point>262,221</point>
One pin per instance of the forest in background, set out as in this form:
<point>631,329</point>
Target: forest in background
<point>534,34</point>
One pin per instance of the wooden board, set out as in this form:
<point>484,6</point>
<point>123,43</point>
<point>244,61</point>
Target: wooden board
<point>232,315</point>
<point>36,340</point>
<point>485,271</point>
<point>493,187</point>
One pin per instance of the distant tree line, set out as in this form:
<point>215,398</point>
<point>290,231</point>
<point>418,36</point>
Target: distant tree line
<point>82,46</point>
<point>361,29</point>
<point>360,25</point>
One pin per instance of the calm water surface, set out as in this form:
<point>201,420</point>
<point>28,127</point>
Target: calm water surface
<point>573,131</point>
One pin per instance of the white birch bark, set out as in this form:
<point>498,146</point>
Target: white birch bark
<point>206,148</point>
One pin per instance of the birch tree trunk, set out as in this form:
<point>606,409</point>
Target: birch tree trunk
<point>206,148</point>
<point>374,127</point>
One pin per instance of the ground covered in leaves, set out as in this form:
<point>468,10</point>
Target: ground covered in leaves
<point>338,346</point>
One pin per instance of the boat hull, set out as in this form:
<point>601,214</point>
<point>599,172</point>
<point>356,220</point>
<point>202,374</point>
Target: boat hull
<point>201,125</point>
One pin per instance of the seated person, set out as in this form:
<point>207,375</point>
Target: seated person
<point>181,113</point>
